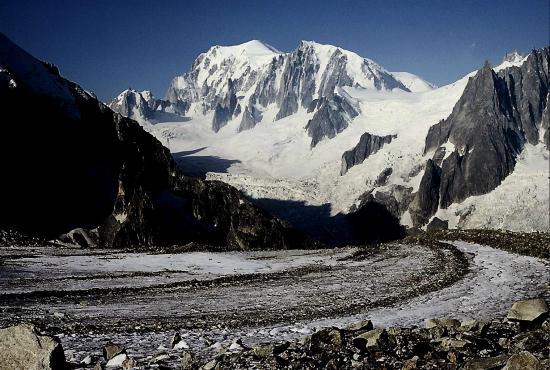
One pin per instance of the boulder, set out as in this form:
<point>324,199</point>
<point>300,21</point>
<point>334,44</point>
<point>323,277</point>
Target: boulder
<point>528,310</point>
<point>117,361</point>
<point>486,363</point>
<point>361,325</point>
<point>437,224</point>
<point>111,350</point>
<point>187,361</point>
<point>522,361</point>
<point>446,323</point>
<point>23,347</point>
<point>369,339</point>
<point>129,363</point>
<point>176,338</point>
<point>330,339</point>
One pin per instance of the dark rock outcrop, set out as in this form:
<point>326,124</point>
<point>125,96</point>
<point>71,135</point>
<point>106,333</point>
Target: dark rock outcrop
<point>368,144</point>
<point>80,165</point>
<point>437,224</point>
<point>382,178</point>
<point>226,108</point>
<point>251,116</point>
<point>332,117</point>
<point>426,199</point>
<point>495,116</point>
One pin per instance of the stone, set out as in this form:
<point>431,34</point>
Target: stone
<point>111,350</point>
<point>330,339</point>
<point>528,310</point>
<point>522,361</point>
<point>437,224</point>
<point>449,343</point>
<point>446,323</point>
<point>361,325</point>
<point>187,360</point>
<point>99,366</point>
<point>369,339</point>
<point>209,365</point>
<point>262,350</point>
<point>129,363</point>
<point>176,338</point>
<point>410,364</point>
<point>488,363</point>
<point>117,360</point>
<point>474,326</point>
<point>23,347</point>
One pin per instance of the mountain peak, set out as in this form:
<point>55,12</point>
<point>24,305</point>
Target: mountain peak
<point>249,48</point>
<point>513,57</point>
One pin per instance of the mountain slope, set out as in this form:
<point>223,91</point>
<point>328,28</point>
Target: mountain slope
<point>291,132</point>
<point>252,83</point>
<point>498,113</point>
<point>413,82</point>
<point>71,162</point>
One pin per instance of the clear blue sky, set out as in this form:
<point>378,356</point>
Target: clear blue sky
<point>107,46</point>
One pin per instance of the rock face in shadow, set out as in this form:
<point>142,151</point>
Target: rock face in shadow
<point>368,144</point>
<point>497,114</point>
<point>331,117</point>
<point>77,164</point>
<point>426,199</point>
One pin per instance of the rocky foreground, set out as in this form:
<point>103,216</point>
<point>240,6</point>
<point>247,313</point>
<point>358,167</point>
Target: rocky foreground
<point>518,341</point>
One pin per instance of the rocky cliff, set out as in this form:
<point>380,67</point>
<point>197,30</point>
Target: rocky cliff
<point>70,162</point>
<point>498,113</point>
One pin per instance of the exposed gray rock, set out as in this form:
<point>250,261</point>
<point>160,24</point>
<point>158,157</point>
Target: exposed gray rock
<point>361,325</point>
<point>382,178</point>
<point>495,116</point>
<point>369,339</point>
<point>225,109</point>
<point>332,117</point>
<point>251,117</point>
<point>528,310</point>
<point>144,107</point>
<point>111,350</point>
<point>522,361</point>
<point>437,224</point>
<point>326,340</point>
<point>488,363</point>
<point>446,323</point>
<point>395,199</point>
<point>426,199</point>
<point>368,144</point>
<point>23,347</point>
<point>439,155</point>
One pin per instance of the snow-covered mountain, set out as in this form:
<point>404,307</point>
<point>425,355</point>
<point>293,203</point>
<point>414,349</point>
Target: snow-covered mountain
<point>322,128</point>
<point>413,82</point>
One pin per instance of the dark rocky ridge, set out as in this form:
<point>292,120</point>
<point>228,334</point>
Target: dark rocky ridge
<point>84,166</point>
<point>226,108</point>
<point>331,117</point>
<point>368,144</point>
<point>497,114</point>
